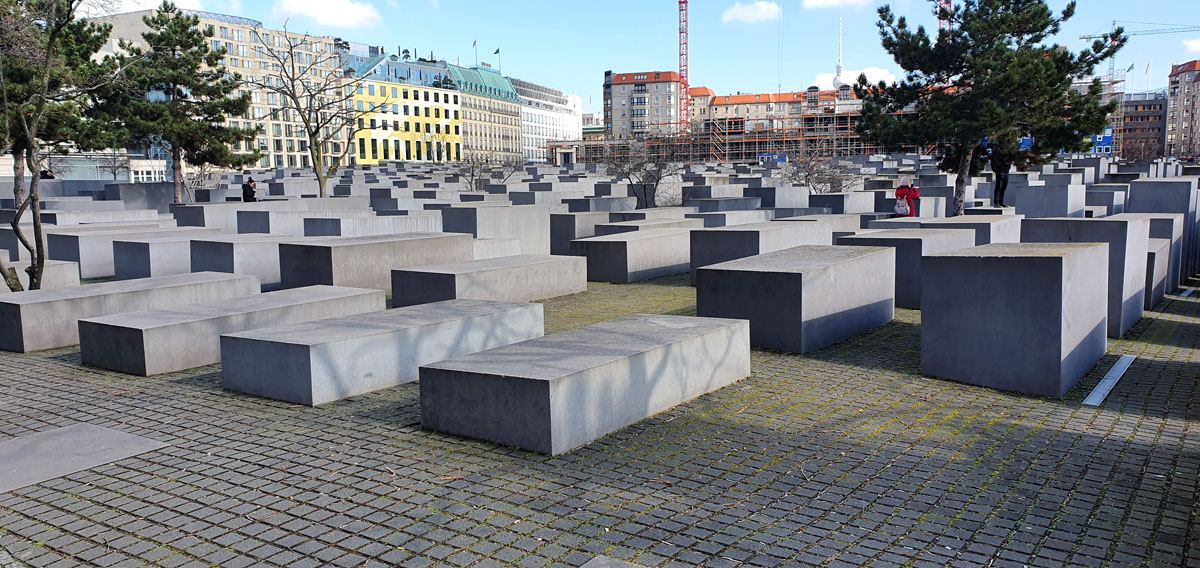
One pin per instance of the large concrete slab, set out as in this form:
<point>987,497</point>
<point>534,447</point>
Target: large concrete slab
<point>803,298</point>
<point>46,319</point>
<point>720,244</point>
<point>367,262</point>
<point>566,227</point>
<point>93,250</point>
<point>521,278</point>
<point>327,360</point>
<point>288,222</point>
<point>527,223</point>
<point>911,245</point>
<point>55,274</point>
<point>1028,318</point>
<point>565,390</point>
<point>181,337</point>
<point>320,226</point>
<point>1128,240</point>
<point>257,255</point>
<point>988,228</point>
<point>34,458</point>
<point>635,256</point>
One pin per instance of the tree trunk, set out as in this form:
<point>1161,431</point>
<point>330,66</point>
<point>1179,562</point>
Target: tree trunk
<point>960,184</point>
<point>18,177</point>
<point>38,262</point>
<point>177,171</point>
<point>10,277</point>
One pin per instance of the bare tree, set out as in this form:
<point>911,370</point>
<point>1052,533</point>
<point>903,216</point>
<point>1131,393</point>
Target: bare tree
<point>815,164</point>
<point>306,75</point>
<point>113,162</point>
<point>646,164</point>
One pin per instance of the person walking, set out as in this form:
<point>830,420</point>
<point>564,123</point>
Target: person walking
<point>906,198</point>
<point>248,191</point>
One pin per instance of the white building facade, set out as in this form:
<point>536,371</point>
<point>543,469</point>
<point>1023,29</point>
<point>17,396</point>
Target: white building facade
<point>547,115</point>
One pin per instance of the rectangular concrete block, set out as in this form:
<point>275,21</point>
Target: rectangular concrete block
<point>628,226</point>
<point>1127,239</point>
<point>46,319</point>
<point>720,244</point>
<point>495,248</point>
<point>257,255</point>
<point>367,262</point>
<point>527,223</point>
<point>176,338</point>
<point>988,228</point>
<point>804,298</point>
<point>635,256</point>
<point>562,391</point>
<point>522,278</point>
<point>55,274</point>
<point>327,360</point>
<point>288,222</point>
<point>844,202</point>
<point>369,226</point>
<point>93,250</point>
<point>1027,318</point>
<point>911,245</point>
<point>1168,226</point>
<point>566,227</point>
<point>1158,259</point>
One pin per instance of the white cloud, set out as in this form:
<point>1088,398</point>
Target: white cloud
<point>336,13</point>
<point>235,6</point>
<point>833,3</point>
<point>751,13</point>
<point>824,81</point>
<point>1192,45</point>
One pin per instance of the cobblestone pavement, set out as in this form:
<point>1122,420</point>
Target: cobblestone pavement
<point>845,457</point>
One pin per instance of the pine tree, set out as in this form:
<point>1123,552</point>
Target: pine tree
<point>990,76</point>
<point>189,94</point>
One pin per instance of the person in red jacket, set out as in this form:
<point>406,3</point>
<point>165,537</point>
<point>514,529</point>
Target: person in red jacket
<point>910,195</point>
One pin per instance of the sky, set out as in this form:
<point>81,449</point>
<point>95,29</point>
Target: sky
<point>749,46</point>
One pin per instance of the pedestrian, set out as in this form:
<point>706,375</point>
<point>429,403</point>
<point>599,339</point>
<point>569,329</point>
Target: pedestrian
<point>248,191</point>
<point>906,199</point>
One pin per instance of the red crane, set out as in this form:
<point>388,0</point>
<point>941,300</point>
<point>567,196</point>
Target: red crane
<point>944,24</point>
<point>684,97</point>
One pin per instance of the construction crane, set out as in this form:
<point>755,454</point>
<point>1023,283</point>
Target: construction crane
<point>944,23</point>
<point>685,99</point>
<point>1114,82</point>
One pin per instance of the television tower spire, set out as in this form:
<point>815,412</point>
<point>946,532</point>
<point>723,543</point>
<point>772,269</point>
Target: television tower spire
<point>838,80</point>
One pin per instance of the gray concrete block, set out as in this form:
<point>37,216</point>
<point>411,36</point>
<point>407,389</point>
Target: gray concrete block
<point>1027,318</point>
<point>1176,195</point>
<point>55,274</point>
<point>528,224</point>
<point>1158,259</point>
<point>1128,241</point>
<point>495,248</point>
<point>804,298</point>
<point>46,319</point>
<point>911,245</point>
<point>288,222</point>
<point>522,278</point>
<point>327,360</point>
<point>990,210</point>
<point>176,338</point>
<point>653,213</point>
<point>628,226</point>
<point>1168,226</point>
<point>723,204</point>
<point>988,228</point>
<point>257,255</point>
<point>320,226</point>
<point>93,250</point>
<point>730,218</point>
<point>565,390</point>
<point>566,227</point>
<point>151,256</point>
<point>844,202</point>
<point>635,256</point>
<point>601,204</point>
<point>367,262</point>
<point>85,217</point>
<point>720,244</point>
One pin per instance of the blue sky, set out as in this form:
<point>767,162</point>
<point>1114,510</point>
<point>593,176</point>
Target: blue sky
<point>735,46</point>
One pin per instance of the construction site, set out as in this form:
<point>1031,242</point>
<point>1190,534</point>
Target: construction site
<point>810,124</point>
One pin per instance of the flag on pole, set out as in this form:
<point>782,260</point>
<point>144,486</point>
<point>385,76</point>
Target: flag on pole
<point>1130,70</point>
<point>475,43</point>
<point>497,51</point>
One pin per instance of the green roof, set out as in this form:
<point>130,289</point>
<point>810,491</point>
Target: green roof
<point>484,82</point>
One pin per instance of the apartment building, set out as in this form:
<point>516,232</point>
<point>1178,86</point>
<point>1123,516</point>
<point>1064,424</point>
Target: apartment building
<point>409,110</point>
<point>547,115</point>
<point>636,104</point>
<point>1183,102</point>
<point>491,114</point>
<point>1143,125</point>
<point>281,138</point>
<point>776,111</point>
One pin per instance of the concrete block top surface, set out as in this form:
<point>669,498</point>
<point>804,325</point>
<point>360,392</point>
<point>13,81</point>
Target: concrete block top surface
<point>339,329</point>
<point>643,235</point>
<point>801,259</point>
<point>973,219</point>
<point>919,234</point>
<point>1021,250</point>
<point>163,317</point>
<point>370,239</point>
<point>118,287</point>
<point>748,227</point>
<point>514,261</point>
<point>248,238</point>
<point>561,354</point>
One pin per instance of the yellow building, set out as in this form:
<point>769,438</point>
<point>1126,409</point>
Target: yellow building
<point>408,111</point>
